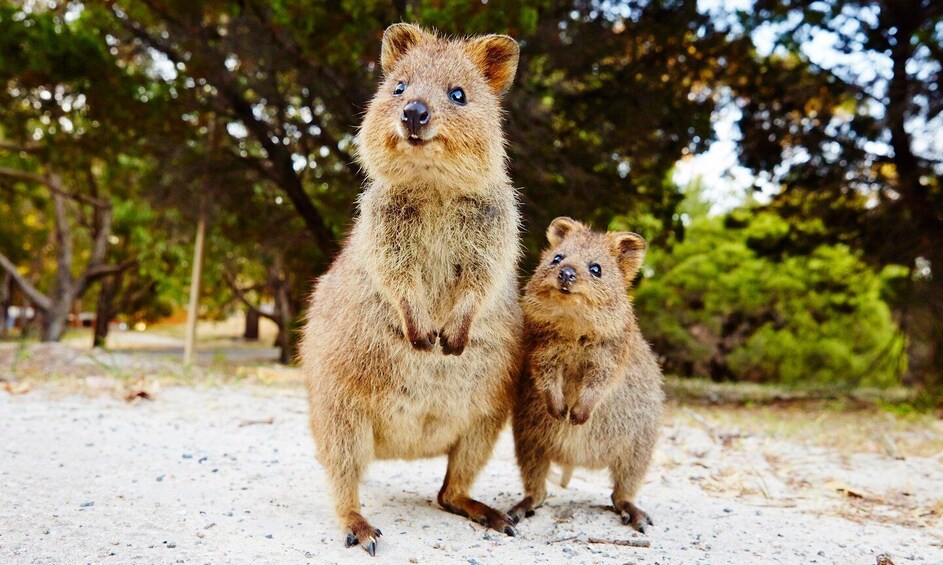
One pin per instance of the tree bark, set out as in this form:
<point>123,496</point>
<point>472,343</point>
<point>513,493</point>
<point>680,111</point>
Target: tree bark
<point>105,309</point>
<point>6,282</point>
<point>192,309</point>
<point>252,325</point>
<point>55,320</point>
<point>285,316</point>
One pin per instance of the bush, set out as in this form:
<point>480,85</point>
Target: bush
<point>715,306</point>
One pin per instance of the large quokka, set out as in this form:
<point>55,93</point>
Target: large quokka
<point>412,344</point>
<point>591,393</point>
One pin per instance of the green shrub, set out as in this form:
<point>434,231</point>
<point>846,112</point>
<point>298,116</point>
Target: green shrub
<point>715,306</point>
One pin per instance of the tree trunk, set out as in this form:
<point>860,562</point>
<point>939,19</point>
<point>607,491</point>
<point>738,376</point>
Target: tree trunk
<point>54,321</point>
<point>193,309</point>
<point>105,309</point>
<point>252,325</point>
<point>924,328</point>
<point>283,312</point>
<point>6,291</point>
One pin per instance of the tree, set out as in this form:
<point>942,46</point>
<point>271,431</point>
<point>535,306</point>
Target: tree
<point>853,141</point>
<point>716,307</point>
<point>606,100</point>
<point>56,306</point>
<point>71,114</point>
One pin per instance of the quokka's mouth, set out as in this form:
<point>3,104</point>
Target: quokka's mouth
<point>415,140</point>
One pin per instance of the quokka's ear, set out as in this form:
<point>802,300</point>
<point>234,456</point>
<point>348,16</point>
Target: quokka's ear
<point>629,249</point>
<point>496,56</point>
<point>398,39</point>
<point>560,228</point>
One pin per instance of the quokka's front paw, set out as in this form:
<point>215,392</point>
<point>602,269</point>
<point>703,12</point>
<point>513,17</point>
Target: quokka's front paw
<point>556,405</point>
<point>421,340</point>
<point>420,336</point>
<point>453,337</point>
<point>581,412</point>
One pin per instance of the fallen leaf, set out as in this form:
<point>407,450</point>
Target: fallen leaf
<point>141,389</point>
<point>132,394</point>
<point>21,387</point>
<point>843,488</point>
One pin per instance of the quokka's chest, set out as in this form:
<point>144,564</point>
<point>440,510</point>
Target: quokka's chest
<point>439,220</point>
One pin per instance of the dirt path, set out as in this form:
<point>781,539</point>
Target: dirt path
<point>198,475</point>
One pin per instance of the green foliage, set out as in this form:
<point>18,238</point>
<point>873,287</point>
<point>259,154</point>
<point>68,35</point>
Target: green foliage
<point>244,112</point>
<point>716,306</point>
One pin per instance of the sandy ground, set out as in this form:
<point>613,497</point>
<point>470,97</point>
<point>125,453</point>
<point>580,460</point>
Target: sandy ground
<point>227,474</point>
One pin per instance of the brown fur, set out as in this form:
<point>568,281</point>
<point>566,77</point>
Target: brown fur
<point>431,258</point>
<point>591,391</point>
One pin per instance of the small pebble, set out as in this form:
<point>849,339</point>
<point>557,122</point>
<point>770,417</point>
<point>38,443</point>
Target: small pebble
<point>86,504</point>
<point>161,478</point>
<point>171,545</point>
<point>268,536</point>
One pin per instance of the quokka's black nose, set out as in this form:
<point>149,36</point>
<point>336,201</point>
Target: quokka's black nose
<point>415,115</point>
<point>566,275</point>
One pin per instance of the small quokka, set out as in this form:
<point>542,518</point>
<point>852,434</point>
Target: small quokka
<point>591,390</point>
<point>412,344</point>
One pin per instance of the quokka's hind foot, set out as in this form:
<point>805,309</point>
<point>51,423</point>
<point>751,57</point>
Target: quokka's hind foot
<point>359,531</point>
<point>481,513</point>
<point>523,509</point>
<point>633,516</point>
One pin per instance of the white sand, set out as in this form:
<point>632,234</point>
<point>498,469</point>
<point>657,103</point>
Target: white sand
<point>94,479</point>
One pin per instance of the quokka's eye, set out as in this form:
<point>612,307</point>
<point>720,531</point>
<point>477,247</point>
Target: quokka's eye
<point>457,96</point>
<point>595,270</point>
<point>400,88</point>
<point>556,259</point>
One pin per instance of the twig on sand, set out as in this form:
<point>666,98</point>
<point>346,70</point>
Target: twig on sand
<point>570,538</point>
<point>891,446</point>
<point>269,420</point>
<point>632,542</point>
<point>700,420</point>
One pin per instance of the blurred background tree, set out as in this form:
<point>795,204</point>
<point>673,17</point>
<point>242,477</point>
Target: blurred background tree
<point>845,119</point>
<point>244,113</point>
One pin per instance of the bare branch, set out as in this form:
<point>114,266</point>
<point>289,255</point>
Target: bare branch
<point>97,272</point>
<point>17,148</point>
<point>38,299</point>
<point>25,176</point>
<point>241,295</point>
<point>54,183</point>
<point>63,235</point>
